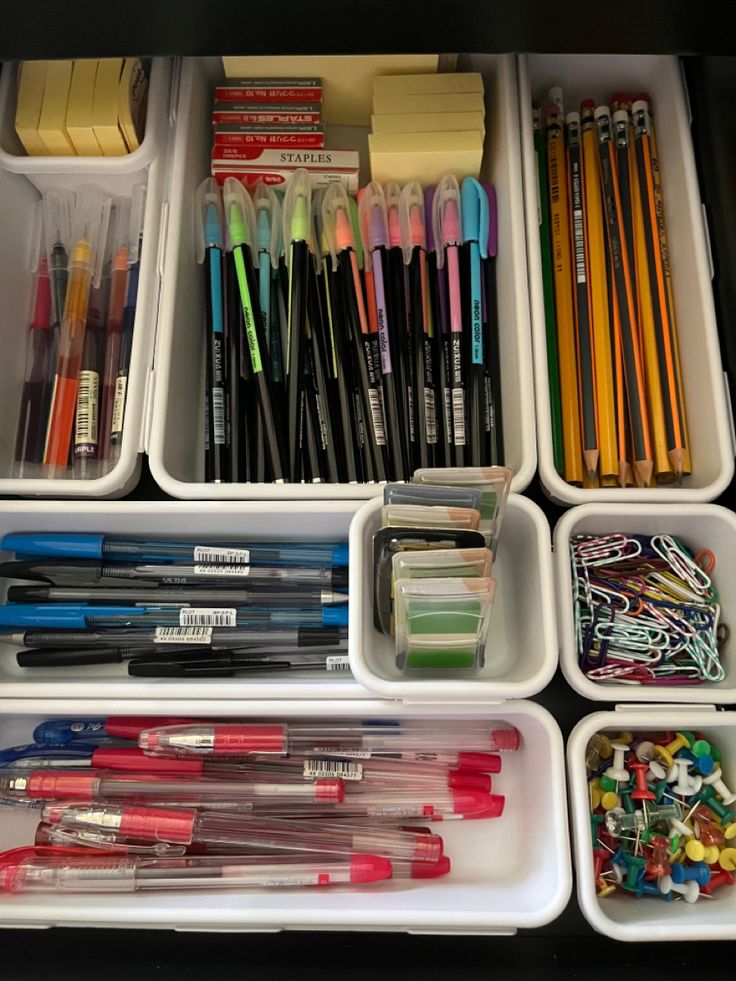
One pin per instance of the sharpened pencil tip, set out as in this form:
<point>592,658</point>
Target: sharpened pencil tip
<point>591,476</point>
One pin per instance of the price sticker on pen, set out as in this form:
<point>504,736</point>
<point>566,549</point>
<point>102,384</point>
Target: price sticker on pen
<point>211,555</point>
<point>182,635</point>
<point>221,570</point>
<point>207,617</point>
<point>336,769</point>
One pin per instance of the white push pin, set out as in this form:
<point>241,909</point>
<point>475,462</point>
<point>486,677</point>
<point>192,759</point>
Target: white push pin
<point>616,770</point>
<point>690,890</point>
<point>645,752</point>
<point>680,829</point>
<point>715,780</point>
<point>660,772</point>
<point>687,785</point>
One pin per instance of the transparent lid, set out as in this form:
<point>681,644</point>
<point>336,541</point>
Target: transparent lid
<point>137,218</point>
<point>58,204</point>
<point>90,221</point>
<point>337,223</point>
<point>240,215</point>
<point>493,482</point>
<point>296,214</point>
<point>208,218</point>
<point>373,220</point>
<point>393,196</point>
<point>446,216</point>
<point>268,222</point>
<point>411,219</point>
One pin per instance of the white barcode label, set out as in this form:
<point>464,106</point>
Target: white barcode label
<point>579,239</point>
<point>118,405</point>
<point>212,555</point>
<point>337,769</point>
<point>379,430</point>
<point>207,617</point>
<point>430,410</point>
<point>337,662</point>
<point>448,413</point>
<point>182,635</point>
<point>218,414</point>
<point>349,754</point>
<point>85,430</point>
<point>458,416</point>
<point>221,570</point>
<point>412,431</point>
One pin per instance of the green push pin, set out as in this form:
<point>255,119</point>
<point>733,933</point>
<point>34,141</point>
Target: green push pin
<point>634,865</point>
<point>674,844</point>
<point>607,784</point>
<point>701,748</point>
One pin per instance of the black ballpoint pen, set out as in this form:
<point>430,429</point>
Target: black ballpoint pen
<point>175,595</point>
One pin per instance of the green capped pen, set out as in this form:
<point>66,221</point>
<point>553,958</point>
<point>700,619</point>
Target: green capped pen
<point>240,218</point>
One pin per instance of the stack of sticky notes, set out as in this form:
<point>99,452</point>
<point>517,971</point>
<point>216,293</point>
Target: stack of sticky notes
<point>424,126</point>
<point>87,108</point>
<point>265,128</point>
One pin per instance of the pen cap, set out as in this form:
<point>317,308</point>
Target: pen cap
<point>422,516</point>
<point>451,563</point>
<point>268,222</point>
<point>428,494</point>
<point>474,202</point>
<point>296,215</point>
<point>392,193</point>
<point>119,231</point>
<point>492,219</point>
<point>240,215</point>
<point>39,316</point>
<point>58,204</point>
<point>411,219</point>
<point>90,222</point>
<point>317,240</point>
<point>337,222</point>
<point>446,216</point>
<point>208,218</point>
<point>137,217</point>
<point>373,219</point>
<point>356,231</point>
<point>428,212</point>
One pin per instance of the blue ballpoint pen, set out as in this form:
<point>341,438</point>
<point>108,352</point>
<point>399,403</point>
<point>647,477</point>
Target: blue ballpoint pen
<point>82,546</point>
<point>474,204</point>
<point>55,754</point>
<point>78,616</point>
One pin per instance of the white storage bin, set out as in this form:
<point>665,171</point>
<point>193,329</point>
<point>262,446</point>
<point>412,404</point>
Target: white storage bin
<point>225,520</point>
<point>521,651</point>
<point>620,916</point>
<point>45,169</point>
<point>500,881</point>
<point>700,526</point>
<point>705,391</point>
<point>19,192</point>
<point>176,443</point>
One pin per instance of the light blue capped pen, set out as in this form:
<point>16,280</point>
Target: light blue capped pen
<point>475,218</point>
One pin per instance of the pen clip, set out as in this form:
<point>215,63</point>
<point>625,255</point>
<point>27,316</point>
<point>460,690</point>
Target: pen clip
<point>268,222</point>
<point>37,239</point>
<point>429,193</point>
<point>411,219</point>
<point>337,225</point>
<point>355,221</point>
<point>446,216</point>
<point>474,203</point>
<point>208,218</point>
<point>240,215</point>
<point>137,217</point>
<point>119,231</point>
<point>296,215</point>
<point>492,249</point>
<point>393,196</point>
<point>318,242</point>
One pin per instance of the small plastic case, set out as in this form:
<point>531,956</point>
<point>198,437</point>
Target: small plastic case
<point>442,624</point>
<point>388,541</point>
<point>418,516</point>
<point>456,563</point>
<point>493,483</point>
<point>430,496</point>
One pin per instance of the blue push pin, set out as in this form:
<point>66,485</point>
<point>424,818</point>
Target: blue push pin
<point>701,764</point>
<point>697,872</point>
<point>652,889</point>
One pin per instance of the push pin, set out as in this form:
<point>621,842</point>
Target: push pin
<point>617,770</point>
<point>641,791</point>
<point>658,863</point>
<point>644,752</point>
<point>727,859</point>
<point>715,780</point>
<point>686,786</point>
<point>690,890</point>
<point>717,880</point>
<point>697,872</point>
<point>666,753</point>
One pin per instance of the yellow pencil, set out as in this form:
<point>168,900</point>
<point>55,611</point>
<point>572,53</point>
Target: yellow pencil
<point>600,314</point>
<point>562,268</point>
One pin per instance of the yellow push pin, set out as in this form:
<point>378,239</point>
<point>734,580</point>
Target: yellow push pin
<point>665,753</point>
<point>727,859</point>
<point>606,891</point>
<point>712,854</point>
<point>695,850</point>
<point>609,800</point>
<point>595,795</point>
<point>729,831</point>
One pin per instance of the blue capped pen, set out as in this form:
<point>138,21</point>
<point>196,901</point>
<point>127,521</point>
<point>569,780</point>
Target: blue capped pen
<point>83,546</point>
<point>79,616</point>
<point>53,754</point>
<point>475,219</point>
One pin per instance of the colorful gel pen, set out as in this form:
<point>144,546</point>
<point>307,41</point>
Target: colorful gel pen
<point>474,203</point>
<point>446,218</point>
<point>111,454</point>
<point>492,342</point>
<point>36,392</point>
<point>58,206</point>
<point>440,336</point>
<point>91,216</point>
<point>374,227</point>
<point>398,318</point>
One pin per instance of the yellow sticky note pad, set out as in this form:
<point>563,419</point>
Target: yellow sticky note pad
<point>436,84</point>
<point>31,85</point>
<point>429,122</point>
<point>428,102</point>
<point>79,108</point>
<point>425,157</point>
<point>52,124</point>
<point>132,101</point>
<point>105,108</point>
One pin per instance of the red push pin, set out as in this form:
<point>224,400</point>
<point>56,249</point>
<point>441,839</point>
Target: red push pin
<point>601,856</point>
<point>658,863</point>
<point>641,792</point>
